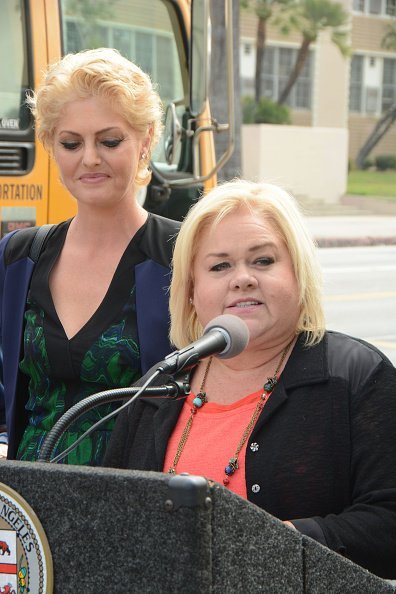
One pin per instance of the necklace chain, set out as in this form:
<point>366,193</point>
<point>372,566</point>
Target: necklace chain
<point>200,400</point>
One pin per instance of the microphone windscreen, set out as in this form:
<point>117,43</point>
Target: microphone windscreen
<point>236,331</point>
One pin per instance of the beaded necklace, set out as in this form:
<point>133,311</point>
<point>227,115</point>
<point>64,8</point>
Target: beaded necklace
<point>201,399</point>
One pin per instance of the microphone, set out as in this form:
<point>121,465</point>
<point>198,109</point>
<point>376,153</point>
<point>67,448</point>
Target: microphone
<point>225,336</point>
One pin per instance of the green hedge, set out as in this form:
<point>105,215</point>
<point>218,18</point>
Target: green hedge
<point>264,112</point>
<point>384,162</point>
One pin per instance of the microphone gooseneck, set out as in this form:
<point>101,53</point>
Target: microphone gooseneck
<point>105,397</point>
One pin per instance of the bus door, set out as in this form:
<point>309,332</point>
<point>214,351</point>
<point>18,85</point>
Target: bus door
<point>23,163</point>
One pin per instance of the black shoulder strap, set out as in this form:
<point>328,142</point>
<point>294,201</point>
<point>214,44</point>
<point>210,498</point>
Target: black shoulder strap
<point>38,241</point>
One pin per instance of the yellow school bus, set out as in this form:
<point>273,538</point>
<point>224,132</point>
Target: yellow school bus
<point>169,39</point>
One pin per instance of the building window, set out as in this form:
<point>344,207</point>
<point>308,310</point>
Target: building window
<point>356,84</point>
<point>372,99</point>
<point>358,5</point>
<point>278,63</point>
<point>389,83</point>
<point>369,95</point>
<point>375,7</point>
<point>391,7</point>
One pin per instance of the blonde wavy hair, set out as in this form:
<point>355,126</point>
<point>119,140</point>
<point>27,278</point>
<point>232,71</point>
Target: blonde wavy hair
<point>104,73</point>
<point>277,207</point>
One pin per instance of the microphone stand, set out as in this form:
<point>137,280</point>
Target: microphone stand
<point>173,389</point>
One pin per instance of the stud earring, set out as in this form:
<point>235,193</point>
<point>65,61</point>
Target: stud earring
<point>143,156</point>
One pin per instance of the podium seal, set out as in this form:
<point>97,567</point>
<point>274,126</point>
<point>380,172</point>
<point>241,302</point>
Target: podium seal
<point>25,556</point>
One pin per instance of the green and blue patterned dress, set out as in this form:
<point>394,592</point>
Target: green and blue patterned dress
<point>104,354</point>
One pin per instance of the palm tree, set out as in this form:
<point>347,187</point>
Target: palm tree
<point>311,17</point>
<point>378,132</point>
<point>263,9</point>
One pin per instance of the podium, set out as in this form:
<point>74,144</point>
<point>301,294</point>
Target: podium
<point>121,531</point>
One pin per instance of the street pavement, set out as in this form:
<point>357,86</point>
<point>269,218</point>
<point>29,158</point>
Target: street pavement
<point>352,230</point>
<point>357,230</point>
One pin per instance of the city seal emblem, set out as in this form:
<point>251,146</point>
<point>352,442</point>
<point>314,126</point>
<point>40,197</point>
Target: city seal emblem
<point>25,557</point>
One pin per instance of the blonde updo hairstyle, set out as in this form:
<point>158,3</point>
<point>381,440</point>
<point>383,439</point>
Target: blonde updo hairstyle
<point>277,207</point>
<point>101,73</point>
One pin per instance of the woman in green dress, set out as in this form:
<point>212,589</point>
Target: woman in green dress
<point>94,312</point>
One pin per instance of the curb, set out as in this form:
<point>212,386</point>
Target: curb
<point>353,241</point>
<point>373,204</point>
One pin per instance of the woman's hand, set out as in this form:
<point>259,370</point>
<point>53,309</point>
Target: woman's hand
<point>3,450</point>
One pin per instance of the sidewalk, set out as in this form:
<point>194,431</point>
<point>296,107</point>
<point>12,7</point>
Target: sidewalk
<point>354,221</point>
<point>352,230</point>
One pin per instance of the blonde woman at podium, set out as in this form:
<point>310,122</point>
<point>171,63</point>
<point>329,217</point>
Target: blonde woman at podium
<point>91,312</point>
<point>303,421</point>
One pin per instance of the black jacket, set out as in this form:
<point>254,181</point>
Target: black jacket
<point>326,455</point>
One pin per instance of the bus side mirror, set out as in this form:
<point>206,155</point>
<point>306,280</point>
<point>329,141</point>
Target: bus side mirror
<point>200,56</point>
<point>172,134</point>
<point>198,124</point>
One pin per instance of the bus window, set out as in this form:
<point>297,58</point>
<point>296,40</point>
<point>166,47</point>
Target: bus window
<point>142,31</point>
<point>13,71</point>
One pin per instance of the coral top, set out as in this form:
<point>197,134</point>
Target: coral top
<point>214,437</point>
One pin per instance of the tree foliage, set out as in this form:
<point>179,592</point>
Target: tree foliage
<point>310,18</point>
